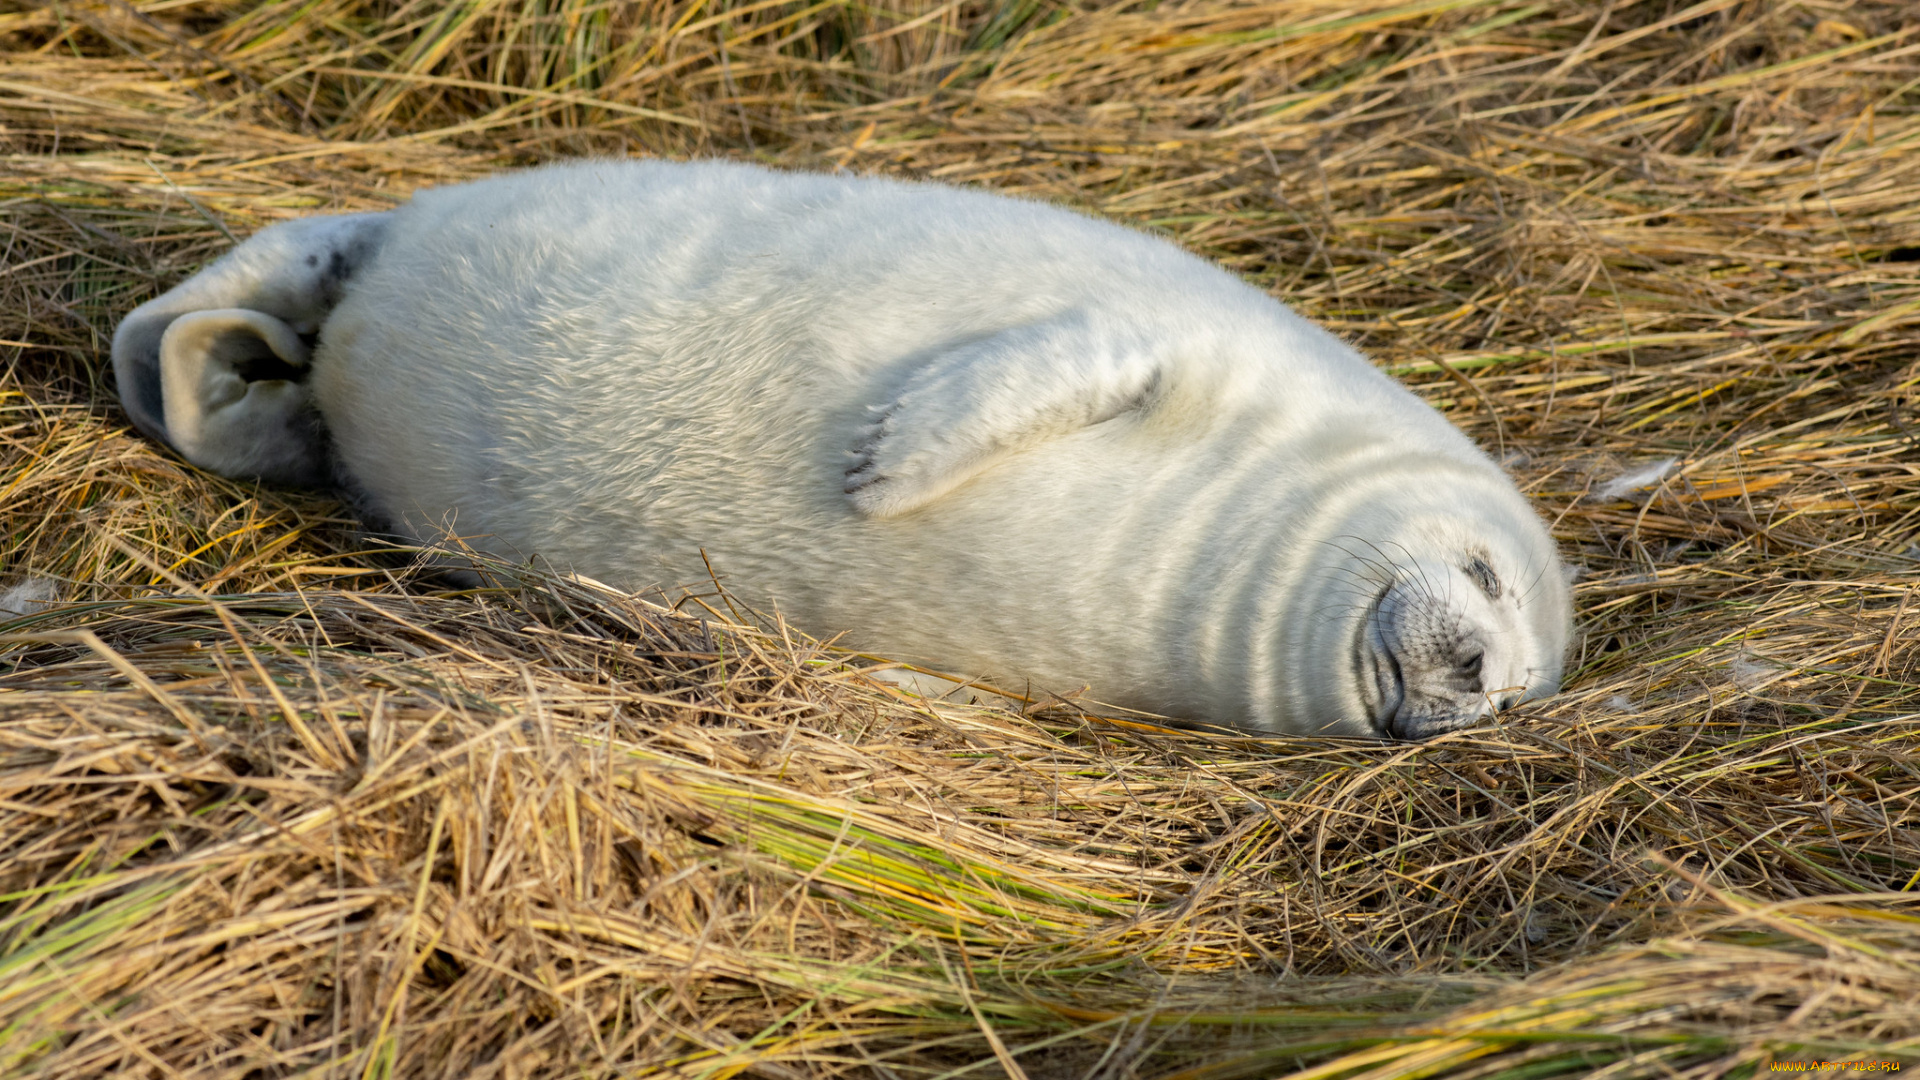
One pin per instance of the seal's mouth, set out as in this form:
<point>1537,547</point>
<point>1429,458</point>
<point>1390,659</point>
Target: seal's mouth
<point>1382,686</point>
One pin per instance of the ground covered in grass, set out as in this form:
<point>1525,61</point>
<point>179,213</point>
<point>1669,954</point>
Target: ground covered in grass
<point>275,804</point>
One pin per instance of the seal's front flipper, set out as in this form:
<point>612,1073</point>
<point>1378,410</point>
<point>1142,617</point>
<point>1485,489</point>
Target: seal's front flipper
<point>977,402</point>
<point>224,389</point>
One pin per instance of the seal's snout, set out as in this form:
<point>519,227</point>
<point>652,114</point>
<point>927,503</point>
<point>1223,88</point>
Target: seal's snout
<point>1422,664</point>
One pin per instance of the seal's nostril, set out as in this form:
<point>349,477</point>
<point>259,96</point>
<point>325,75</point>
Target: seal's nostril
<point>1469,668</point>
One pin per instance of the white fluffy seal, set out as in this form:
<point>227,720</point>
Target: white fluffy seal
<point>976,432</point>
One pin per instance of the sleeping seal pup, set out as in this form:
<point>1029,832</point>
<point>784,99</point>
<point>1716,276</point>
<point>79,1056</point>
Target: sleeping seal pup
<point>976,432</point>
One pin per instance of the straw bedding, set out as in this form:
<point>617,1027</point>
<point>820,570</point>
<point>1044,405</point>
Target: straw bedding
<point>274,803</point>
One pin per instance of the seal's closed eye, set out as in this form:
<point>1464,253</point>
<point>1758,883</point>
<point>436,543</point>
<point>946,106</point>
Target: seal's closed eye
<point>1483,576</point>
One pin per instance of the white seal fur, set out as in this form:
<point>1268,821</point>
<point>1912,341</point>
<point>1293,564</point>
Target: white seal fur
<point>980,433</point>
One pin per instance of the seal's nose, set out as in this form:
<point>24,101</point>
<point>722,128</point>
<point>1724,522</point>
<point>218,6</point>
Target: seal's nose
<point>1467,671</point>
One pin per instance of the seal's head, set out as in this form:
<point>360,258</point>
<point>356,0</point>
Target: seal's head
<point>1445,642</point>
<point>1443,614</point>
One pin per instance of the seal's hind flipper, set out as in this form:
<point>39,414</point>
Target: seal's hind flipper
<point>971,405</point>
<point>221,420</point>
<point>256,302</point>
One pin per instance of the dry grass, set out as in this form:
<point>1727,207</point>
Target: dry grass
<point>271,806</point>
